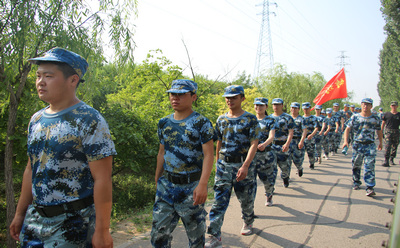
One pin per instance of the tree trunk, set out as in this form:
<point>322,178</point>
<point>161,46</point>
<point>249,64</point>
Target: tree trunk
<point>15,99</point>
<point>8,162</point>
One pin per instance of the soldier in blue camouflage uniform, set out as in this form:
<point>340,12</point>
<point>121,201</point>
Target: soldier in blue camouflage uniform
<point>283,138</point>
<point>265,158</point>
<point>237,139</point>
<point>311,124</point>
<point>296,150</point>
<point>339,115</point>
<point>319,137</point>
<point>184,164</point>
<point>381,113</point>
<point>330,126</point>
<point>66,195</point>
<point>352,108</point>
<point>365,125</point>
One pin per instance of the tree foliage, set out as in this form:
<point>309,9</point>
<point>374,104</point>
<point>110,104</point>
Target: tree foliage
<point>389,57</point>
<point>30,27</point>
<point>291,87</point>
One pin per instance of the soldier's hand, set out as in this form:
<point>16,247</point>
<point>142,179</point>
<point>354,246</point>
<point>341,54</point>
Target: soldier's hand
<point>285,148</point>
<point>242,173</point>
<point>15,227</point>
<point>200,194</point>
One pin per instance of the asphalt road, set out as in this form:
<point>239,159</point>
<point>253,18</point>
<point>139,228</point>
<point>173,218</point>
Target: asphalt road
<point>319,209</point>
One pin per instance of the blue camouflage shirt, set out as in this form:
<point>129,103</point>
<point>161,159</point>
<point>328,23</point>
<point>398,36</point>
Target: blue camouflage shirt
<point>60,147</point>
<point>267,124</point>
<point>338,116</point>
<point>284,123</point>
<point>310,122</point>
<point>330,121</point>
<point>298,127</point>
<point>183,140</point>
<point>364,127</point>
<point>236,134</point>
<point>320,121</point>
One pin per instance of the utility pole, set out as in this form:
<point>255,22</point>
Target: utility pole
<point>264,58</point>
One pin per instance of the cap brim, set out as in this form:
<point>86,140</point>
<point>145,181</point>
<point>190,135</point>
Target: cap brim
<point>44,59</point>
<point>177,91</point>
<point>259,103</point>
<point>230,95</point>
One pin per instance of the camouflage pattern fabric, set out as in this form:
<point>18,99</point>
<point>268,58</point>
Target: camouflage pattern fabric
<point>284,122</point>
<point>182,140</point>
<point>364,148</point>
<point>392,137</point>
<point>66,230</point>
<point>60,147</point>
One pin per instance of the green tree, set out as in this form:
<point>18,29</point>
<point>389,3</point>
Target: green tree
<point>389,57</point>
<point>291,87</point>
<point>30,27</point>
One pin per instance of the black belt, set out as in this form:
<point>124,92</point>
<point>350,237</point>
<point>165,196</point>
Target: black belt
<point>233,159</point>
<point>365,142</point>
<point>279,142</point>
<point>182,178</point>
<point>267,149</point>
<point>69,207</point>
<point>296,138</point>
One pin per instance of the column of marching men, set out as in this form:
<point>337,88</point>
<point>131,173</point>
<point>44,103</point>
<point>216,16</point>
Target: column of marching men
<point>247,146</point>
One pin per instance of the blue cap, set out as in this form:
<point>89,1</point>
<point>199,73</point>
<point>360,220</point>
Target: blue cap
<point>328,110</point>
<point>183,86</point>
<point>323,111</point>
<point>358,108</point>
<point>306,105</point>
<point>367,100</point>
<point>347,105</point>
<point>380,109</point>
<point>295,105</point>
<point>352,106</point>
<point>261,101</point>
<point>57,54</point>
<point>233,90</point>
<point>318,107</point>
<point>335,104</point>
<point>277,101</point>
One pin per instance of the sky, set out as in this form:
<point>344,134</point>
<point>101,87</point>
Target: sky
<point>307,36</point>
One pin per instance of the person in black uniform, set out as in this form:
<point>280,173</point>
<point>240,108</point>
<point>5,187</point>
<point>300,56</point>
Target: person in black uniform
<point>390,123</point>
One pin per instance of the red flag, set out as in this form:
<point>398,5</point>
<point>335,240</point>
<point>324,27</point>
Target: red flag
<point>333,89</point>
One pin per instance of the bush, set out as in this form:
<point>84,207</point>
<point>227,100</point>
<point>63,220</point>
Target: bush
<point>132,192</point>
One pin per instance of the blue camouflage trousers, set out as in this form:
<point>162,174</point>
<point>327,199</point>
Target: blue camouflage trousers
<point>310,149</point>
<point>225,180</point>
<point>327,142</point>
<point>266,169</point>
<point>174,201</point>
<point>318,145</point>
<point>337,139</point>
<point>65,230</point>
<point>296,155</point>
<point>364,154</point>
<point>282,160</point>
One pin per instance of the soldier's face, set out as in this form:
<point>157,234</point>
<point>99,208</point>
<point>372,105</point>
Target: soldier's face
<point>366,106</point>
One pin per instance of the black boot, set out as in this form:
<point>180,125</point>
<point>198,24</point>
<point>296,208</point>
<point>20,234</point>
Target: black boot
<point>392,161</point>
<point>386,163</point>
